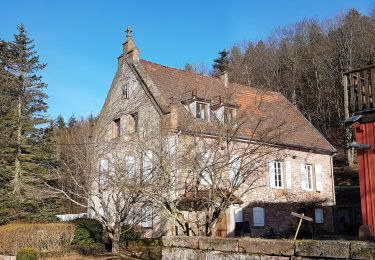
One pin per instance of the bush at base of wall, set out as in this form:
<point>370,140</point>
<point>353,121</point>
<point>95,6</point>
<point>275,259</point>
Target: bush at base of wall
<point>27,254</point>
<point>43,237</point>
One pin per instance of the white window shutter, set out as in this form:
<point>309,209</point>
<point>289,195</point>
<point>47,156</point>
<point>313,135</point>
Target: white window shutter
<point>238,215</point>
<point>288,174</point>
<point>234,168</point>
<point>220,114</point>
<point>147,165</point>
<point>129,165</point>
<point>103,165</point>
<point>319,177</point>
<point>192,108</point>
<point>303,176</point>
<point>271,173</point>
<point>206,165</point>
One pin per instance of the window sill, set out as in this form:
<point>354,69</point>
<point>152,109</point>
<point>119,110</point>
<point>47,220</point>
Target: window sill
<point>257,227</point>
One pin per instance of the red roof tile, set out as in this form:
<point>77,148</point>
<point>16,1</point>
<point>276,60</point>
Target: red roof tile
<point>269,107</point>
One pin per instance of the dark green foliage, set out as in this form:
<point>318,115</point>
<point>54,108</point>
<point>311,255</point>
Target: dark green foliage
<point>133,232</point>
<point>27,254</point>
<point>27,150</point>
<point>60,123</point>
<point>87,231</point>
<point>72,121</point>
<point>221,63</point>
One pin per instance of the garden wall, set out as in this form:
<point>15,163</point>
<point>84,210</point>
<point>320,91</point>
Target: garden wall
<point>256,248</point>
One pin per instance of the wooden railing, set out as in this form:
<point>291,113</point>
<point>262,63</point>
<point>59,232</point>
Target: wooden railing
<point>359,90</point>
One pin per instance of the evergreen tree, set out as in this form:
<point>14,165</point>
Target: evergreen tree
<point>221,63</point>
<point>60,123</point>
<point>31,107</point>
<point>27,152</point>
<point>72,121</point>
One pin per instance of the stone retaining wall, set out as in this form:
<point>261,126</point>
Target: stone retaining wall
<point>255,248</point>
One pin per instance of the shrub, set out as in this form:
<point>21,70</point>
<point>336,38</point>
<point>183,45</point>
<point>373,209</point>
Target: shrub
<point>27,254</point>
<point>87,231</point>
<point>133,232</point>
<point>42,237</point>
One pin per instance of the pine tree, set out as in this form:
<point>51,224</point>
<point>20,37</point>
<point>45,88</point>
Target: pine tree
<point>31,107</point>
<point>221,63</point>
<point>72,121</point>
<point>60,123</point>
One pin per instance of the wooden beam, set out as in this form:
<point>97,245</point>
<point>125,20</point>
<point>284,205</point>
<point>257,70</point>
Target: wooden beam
<point>366,89</point>
<point>352,93</point>
<point>360,69</point>
<point>359,92</point>
<point>346,96</point>
<point>301,216</point>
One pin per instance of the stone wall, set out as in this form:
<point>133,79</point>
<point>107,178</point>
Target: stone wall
<point>255,248</point>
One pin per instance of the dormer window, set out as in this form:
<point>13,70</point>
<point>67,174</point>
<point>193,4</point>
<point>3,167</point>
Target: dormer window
<point>201,111</point>
<point>229,115</point>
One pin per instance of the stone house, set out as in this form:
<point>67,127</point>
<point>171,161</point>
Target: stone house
<point>149,98</point>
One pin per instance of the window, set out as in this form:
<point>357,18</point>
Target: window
<point>103,172</point>
<point>147,165</point>
<point>258,217</point>
<point>229,115</point>
<point>276,174</point>
<point>135,121</point>
<point>201,111</point>
<point>147,217</point>
<point>319,216</point>
<point>125,91</point>
<point>116,128</point>
<point>130,165</point>
<point>309,177</point>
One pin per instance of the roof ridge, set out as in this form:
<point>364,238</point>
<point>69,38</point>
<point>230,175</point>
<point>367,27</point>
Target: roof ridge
<point>214,78</point>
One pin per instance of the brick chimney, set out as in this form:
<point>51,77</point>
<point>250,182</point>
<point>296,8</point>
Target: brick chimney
<point>129,50</point>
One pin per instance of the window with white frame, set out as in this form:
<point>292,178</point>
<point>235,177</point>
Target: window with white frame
<point>147,216</point>
<point>319,218</point>
<point>103,172</point>
<point>309,176</point>
<point>258,217</point>
<point>202,111</point>
<point>229,115</point>
<point>147,165</point>
<point>276,174</point>
<point>130,165</point>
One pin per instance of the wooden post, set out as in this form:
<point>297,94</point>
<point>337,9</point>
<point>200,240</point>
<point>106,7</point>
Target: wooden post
<point>301,217</point>
<point>346,96</point>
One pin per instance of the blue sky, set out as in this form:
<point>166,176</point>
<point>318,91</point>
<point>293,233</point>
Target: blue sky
<point>81,40</point>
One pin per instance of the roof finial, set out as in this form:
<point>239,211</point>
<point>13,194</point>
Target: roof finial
<point>129,50</point>
<point>128,32</point>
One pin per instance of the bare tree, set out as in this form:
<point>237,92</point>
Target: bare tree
<point>202,170</point>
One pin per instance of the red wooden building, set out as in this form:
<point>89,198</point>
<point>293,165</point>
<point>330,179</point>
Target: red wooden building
<point>359,97</point>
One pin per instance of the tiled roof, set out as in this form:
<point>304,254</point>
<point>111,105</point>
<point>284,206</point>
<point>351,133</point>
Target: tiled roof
<point>271,108</point>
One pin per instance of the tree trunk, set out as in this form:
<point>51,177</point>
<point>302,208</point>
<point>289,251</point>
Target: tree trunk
<point>115,238</point>
<point>17,162</point>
